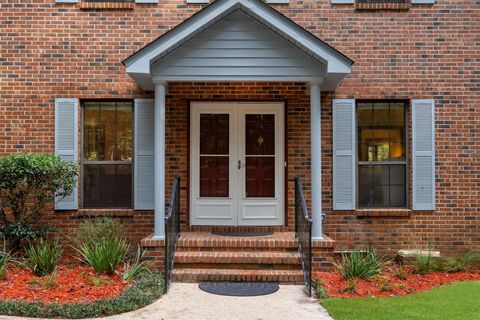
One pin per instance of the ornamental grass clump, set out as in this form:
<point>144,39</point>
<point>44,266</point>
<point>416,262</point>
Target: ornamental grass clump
<point>470,261</point>
<point>135,267</point>
<point>360,264</point>
<point>42,257</point>
<point>106,255</point>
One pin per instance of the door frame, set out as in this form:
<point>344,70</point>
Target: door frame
<point>285,155</point>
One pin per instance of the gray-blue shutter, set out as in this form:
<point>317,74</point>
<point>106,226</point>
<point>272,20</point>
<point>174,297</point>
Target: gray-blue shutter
<point>144,154</point>
<point>423,154</point>
<point>66,143</point>
<point>344,186</point>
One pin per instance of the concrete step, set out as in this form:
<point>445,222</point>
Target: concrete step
<point>199,275</point>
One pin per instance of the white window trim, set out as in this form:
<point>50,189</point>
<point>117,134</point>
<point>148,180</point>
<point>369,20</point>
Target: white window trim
<point>278,1</point>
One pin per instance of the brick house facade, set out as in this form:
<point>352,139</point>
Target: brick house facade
<point>410,52</point>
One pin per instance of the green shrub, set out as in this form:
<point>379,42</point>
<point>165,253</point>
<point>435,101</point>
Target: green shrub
<point>144,291</point>
<point>362,264</point>
<point>95,230</point>
<point>106,255</point>
<point>43,256</point>
<point>27,183</point>
<point>135,267</point>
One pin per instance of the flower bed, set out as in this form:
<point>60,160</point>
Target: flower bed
<point>77,292</point>
<point>387,284</point>
<point>73,283</point>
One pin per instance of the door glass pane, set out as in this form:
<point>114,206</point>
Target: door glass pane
<point>260,155</point>
<point>214,155</point>
<point>214,134</point>
<point>107,185</point>
<point>214,176</point>
<point>260,134</point>
<point>260,177</point>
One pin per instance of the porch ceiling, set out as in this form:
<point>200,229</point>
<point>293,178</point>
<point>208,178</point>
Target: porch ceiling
<point>238,40</point>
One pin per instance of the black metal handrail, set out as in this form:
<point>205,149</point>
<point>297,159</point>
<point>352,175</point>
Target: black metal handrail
<point>172,230</point>
<point>303,233</point>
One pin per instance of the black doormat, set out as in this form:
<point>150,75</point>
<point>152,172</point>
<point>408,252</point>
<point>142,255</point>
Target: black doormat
<point>242,233</point>
<point>239,289</point>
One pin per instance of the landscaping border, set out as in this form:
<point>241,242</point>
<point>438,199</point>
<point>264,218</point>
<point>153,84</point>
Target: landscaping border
<point>143,292</point>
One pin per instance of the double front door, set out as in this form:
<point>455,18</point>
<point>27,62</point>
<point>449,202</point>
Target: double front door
<point>237,164</point>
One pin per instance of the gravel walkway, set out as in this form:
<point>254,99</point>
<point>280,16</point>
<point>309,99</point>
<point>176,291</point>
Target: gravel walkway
<point>186,301</point>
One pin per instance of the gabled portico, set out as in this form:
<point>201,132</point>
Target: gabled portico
<point>237,41</point>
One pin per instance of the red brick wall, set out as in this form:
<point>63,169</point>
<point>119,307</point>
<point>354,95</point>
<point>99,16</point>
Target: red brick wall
<point>49,50</point>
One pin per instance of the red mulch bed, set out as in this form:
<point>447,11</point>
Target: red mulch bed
<point>74,283</point>
<point>387,285</point>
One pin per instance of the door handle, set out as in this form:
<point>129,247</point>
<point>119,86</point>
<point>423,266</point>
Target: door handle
<point>239,164</point>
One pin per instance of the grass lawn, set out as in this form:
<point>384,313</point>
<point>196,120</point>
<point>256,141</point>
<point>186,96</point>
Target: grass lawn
<point>457,301</point>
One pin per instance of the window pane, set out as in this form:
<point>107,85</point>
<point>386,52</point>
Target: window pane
<point>397,196</point>
<point>397,174</point>
<point>107,186</point>
<point>397,131</point>
<point>381,175</point>
<point>365,186</point>
<point>260,176</point>
<point>92,133</point>
<point>214,134</point>
<point>381,196</point>
<point>124,132</point>
<point>214,176</point>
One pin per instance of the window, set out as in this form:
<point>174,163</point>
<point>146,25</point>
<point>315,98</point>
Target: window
<point>381,155</point>
<point>107,154</point>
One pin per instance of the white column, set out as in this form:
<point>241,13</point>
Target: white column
<point>159,161</point>
<point>316,159</point>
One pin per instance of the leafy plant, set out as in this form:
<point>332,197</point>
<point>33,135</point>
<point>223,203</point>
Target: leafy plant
<point>99,281</point>
<point>43,256</point>
<point>399,273</point>
<point>106,255</point>
<point>425,263</point>
<point>33,282</point>
<point>49,280</point>
<point>95,230</point>
<point>27,183</point>
<point>5,257</point>
<point>135,267</point>
<point>351,286</point>
<point>385,286</point>
<point>320,290</point>
<point>470,260</point>
<point>362,264</point>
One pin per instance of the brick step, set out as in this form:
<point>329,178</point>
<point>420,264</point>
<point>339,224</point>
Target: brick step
<point>237,257</point>
<point>197,275</point>
<point>203,241</point>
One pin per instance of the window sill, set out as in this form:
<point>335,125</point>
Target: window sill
<point>114,213</point>
<point>383,212</point>
<point>106,5</point>
<point>382,5</point>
